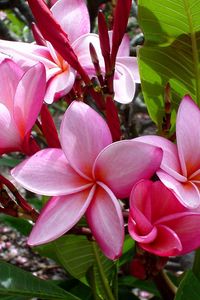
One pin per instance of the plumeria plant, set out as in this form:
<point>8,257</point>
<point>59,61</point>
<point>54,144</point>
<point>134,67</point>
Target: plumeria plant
<point>113,208</point>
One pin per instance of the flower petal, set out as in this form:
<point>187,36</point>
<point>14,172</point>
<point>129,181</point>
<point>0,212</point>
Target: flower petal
<point>122,164</point>
<point>10,74</point>
<point>105,219</point>
<point>170,204</point>
<point>140,207</point>
<point>48,173</point>
<point>124,48</point>
<point>170,162</point>
<point>84,133</point>
<point>187,227</point>
<point>59,85</point>
<point>188,135</point>
<point>73,17</point>
<point>166,243</point>
<point>81,48</point>
<point>29,98</point>
<point>137,235</point>
<point>187,192</point>
<point>9,135</point>
<point>131,64</point>
<point>123,77</point>
<point>27,54</point>
<point>59,215</point>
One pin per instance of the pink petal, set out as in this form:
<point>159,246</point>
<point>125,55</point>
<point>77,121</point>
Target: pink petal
<point>167,243</point>
<point>187,227</point>
<point>188,135</point>
<point>48,173</point>
<point>122,164</point>
<point>10,74</point>
<point>187,192</point>
<point>131,64</point>
<point>59,85</point>
<point>29,98</point>
<point>136,234</point>
<point>59,215</point>
<point>123,77</point>
<point>81,48</point>
<point>27,54</point>
<point>9,136</point>
<point>140,206</point>
<point>170,204</point>
<point>170,162</point>
<point>84,133</point>
<point>73,17</point>
<point>105,219</point>
<point>124,48</point>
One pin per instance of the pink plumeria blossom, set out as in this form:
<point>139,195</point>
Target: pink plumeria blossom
<point>21,98</point>
<point>160,223</point>
<point>73,17</point>
<point>86,177</point>
<point>180,167</point>
<point>59,75</point>
<point>74,12</point>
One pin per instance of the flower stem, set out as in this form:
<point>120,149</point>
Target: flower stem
<point>165,286</point>
<point>107,289</point>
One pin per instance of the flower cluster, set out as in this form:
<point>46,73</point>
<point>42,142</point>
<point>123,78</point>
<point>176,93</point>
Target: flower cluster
<point>89,172</point>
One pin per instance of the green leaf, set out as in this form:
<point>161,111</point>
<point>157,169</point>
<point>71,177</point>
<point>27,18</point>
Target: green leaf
<point>189,288</point>
<point>78,255</point>
<point>171,52</point>
<point>17,282</point>
<point>75,254</point>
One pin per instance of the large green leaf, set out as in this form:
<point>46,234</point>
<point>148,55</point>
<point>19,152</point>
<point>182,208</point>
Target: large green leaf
<point>189,288</point>
<point>16,282</point>
<point>171,52</point>
<point>81,258</point>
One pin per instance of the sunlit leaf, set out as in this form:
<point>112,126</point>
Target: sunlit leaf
<point>171,52</point>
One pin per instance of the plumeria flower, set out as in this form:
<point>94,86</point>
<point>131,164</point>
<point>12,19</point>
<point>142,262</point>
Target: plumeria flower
<point>86,176</point>
<point>126,68</point>
<point>160,223</point>
<point>73,17</point>
<point>60,76</point>
<point>21,98</point>
<point>180,167</point>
